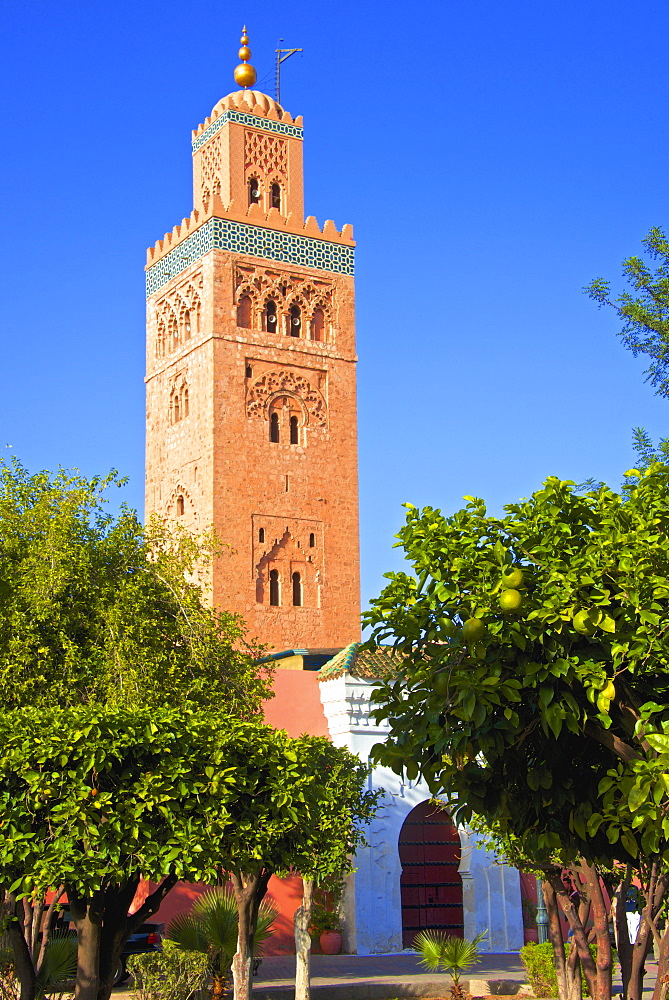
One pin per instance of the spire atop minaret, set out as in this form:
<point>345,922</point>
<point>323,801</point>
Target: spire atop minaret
<point>245,74</point>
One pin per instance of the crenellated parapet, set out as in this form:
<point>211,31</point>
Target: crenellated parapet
<point>253,215</point>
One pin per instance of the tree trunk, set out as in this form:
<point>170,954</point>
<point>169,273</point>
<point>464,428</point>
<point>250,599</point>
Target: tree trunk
<point>25,970</point>
<point>567,968</point>
<point>555,938</point>
<point>662,943</point>
<point>115,932</point>
<point>579,939</point>
<point>46,927</point>
<point>117,926</point>
<point>87,915</point>
<point>249,889</point>
<point>633,983</point>
<point>662,981</point>
<point>601,927</point>
<point>623,943</point>
<point>303,942</point>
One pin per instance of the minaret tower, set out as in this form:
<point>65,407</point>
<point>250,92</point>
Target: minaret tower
<point>251,388</point>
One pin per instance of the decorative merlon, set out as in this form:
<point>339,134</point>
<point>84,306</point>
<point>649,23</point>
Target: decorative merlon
<point>253,215</point>
<point>256,241</point>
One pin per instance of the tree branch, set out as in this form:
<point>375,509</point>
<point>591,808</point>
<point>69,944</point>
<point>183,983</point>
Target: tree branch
<point>151,903</point>
<point>611,742</point>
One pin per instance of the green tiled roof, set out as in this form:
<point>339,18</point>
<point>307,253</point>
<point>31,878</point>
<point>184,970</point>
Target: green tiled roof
<point>360,662</point>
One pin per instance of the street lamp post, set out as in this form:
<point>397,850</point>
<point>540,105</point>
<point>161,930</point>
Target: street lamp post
<point>542,914</point>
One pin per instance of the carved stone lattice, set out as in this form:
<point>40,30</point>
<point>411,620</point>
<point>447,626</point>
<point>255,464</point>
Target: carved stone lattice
<point>211,160</point>
<point>274,383</point>
<point>266,152</point>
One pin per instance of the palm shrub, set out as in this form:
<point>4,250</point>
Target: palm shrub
<point>211,929</point>
<point>445,953</point>
<point>56,970</point>
<point>58,966</point>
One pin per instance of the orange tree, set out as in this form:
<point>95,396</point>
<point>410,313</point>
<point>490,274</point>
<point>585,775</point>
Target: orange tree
<point>101,614</point>
<point>534,690</point>
<point>95,798</point>
<point>321,789</point>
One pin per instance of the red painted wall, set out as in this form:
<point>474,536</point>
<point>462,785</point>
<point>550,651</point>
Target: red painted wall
<point>284,894</point>
<point>296,705</point>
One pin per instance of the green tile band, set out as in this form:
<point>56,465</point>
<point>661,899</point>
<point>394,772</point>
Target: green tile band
<point>253,121</point>
<point>221,234</point>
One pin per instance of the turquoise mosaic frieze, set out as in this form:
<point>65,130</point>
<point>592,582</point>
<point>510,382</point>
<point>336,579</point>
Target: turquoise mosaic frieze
<point>177,260</point>
<point>253,121</point>
<point>222,234</point>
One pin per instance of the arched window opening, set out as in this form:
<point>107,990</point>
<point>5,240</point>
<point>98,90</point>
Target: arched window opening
<point>249,371</point>
<point>295,321</point>
<point>276,196</point>
<point>261,534</point>
<point>180,506</point>
<point>274,428</point>
<point>187,325</point>
<point>312,540</point>
<point>173,331</point>
<point>175,410</point>
<point>270,316</point>
<point>297,590</point>
<point>294,431</point>
<point>254,191</point>
<point>185,403</point>
<point>195,316</point>
<point>244,312</point>
<point>160,343</point>
<point>318,325</point>
<point>274,588</point>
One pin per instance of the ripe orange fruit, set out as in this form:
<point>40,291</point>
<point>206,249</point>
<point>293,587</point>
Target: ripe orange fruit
<point>510,600</point>
<point>603,702</point>
<point>473,630</point>
<point>440,684</point>
<point>512,577</point>
<point>583,623</point>
<point>609,691</point>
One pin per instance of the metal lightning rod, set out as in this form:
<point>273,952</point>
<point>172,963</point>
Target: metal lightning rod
<point>281,56</point>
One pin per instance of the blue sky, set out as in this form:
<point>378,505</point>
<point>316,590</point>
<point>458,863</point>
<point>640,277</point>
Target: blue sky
<point>493,157</point>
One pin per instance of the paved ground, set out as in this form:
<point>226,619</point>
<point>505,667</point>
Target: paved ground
<point>377,977</point>
<point>388,977</point>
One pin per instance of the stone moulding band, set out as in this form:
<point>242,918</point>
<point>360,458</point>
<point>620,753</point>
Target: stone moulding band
<point>257,241</point>
<point>253,121</point>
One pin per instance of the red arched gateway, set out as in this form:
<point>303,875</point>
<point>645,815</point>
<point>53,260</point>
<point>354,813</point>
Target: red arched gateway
<point>431,885</point>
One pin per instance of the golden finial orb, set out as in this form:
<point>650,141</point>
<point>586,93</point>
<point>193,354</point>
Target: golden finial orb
<point>245,74</point>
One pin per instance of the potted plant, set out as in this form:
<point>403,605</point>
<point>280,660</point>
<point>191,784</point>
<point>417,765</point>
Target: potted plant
<point>325,926</point>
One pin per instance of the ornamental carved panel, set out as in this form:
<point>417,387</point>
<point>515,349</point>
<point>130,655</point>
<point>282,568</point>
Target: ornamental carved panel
<point>283,381</point>
<point>266,153</point>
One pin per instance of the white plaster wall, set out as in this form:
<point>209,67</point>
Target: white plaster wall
<point>372,904</point>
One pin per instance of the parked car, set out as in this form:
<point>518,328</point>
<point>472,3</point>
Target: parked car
<point>148,937</point>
